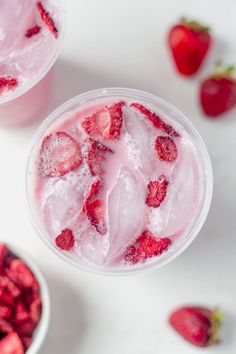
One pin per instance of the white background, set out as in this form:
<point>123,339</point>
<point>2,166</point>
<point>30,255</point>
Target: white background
<point>122,43</point>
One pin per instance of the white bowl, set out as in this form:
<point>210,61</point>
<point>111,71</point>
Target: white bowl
<point>42,327</point>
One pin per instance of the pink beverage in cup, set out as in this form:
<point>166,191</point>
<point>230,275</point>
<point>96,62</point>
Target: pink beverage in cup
<point>31,33</point>
<point>118,181</point>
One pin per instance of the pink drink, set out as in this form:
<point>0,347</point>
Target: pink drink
<point>118,181</point>
<point>30,38</point>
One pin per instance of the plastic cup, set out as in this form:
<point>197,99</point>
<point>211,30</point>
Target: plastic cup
<point>28,103</point>
<point>165,110</point>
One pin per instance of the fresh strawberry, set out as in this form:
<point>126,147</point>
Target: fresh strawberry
<point>96,155</point>
<point>11,344</point>
<point>5,326</point>
<point>66,240</point>
<point>33,31</point>
<point>3,255</point>
<point>156,192</point>
<point>166,149</point>
<point>218,92</point>
<point>95,208</point>
<point>155,119</point>
<point>189,43</point>
<point>5,311</point>
<point>36,310</point>
<point>146,246</point>
<point>199,326</point>
<point>47,19</point>
<point>21,275</point>
<point>105,122</point>
<point>7,83</point>
<point>59,154</point>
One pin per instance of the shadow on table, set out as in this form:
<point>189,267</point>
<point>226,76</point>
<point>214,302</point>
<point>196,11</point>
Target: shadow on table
<point>67,322</point>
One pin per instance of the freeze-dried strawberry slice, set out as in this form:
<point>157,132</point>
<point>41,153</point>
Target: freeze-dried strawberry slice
<point>155,119</point>
<point>26,329</point>
<point>96,155</point>
<point>32,31</point>
<point>59,154</point>
<point>47,19</point>
<point>5,326</point>
<point>36,310</point>
<point>156,191</point>
<point>21,275</point>
<point>166,148</point>
<point>3,255</point>
<point>7,83</point>
<point>146,246</point>
<point>8,290</point>
<point>11,344</point>
<point>27,341</point>
<point>66,240</point>
<point>21,313</point>
<point>95,208</point>
<point>5,311</point>
<point>30,295</point>
<point>106,122</point>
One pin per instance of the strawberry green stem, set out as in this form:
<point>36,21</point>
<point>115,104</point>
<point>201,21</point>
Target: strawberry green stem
<point>223,70</point>
<point>195,25</point>
<point>216,320</point>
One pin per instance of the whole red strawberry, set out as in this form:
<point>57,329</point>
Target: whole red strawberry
<point>198,325</point>
<point>189,42</point>
<point>218,92</point>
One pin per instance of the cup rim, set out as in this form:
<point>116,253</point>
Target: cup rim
<point>45,69</point>
<point>183,120</point>
<point>42,327</point>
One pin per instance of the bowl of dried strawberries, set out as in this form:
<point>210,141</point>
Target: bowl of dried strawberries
<point>24,303</point>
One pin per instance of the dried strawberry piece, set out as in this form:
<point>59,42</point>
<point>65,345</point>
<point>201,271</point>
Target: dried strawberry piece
<point>8,290</point>
<point>106,122</point>
<point>27,341</point>
<point>95,208</point>
<point>7,83</point>
<point>30,295</point>
<point>146,246</point>
<point>11,344</point>
<point>3,255</point>
<point>5,311</point>
<point>26,329</point>
<point>21,275</point>
<point>156,192</point>
<point>66,240</point>
<point>5,326</point>
<point>36,310</point>
<point>47,19</point>
<point>166,148</point>
<point>96,155</point>
<point>32,31</point>
<point>21,313</point>
<point>59,154</point>
<point>155,119</point>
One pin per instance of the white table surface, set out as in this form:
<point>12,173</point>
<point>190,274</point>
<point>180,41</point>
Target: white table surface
<point>122,43</point>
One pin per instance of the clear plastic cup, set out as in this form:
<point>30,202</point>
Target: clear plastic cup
<point>165,110</point>
<point>28,103</point>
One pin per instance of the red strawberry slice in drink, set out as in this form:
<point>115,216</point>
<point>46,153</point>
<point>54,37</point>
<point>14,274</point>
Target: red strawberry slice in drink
<point>156,192</point>
<point>66,240</point>
<point>189,43</point>
<point>59,154</point>
<point>218,92</point>
<point>95,208</point>
<point>11,344</point>
<point>166,149</point>
<point>32,31</point>
<point>199,326</point>
<point>47,19</point>
<point>7,83</point>
<point>96,155</point>
<point>156,120</point>
<point>146,246</point>
<point>106,122</point>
